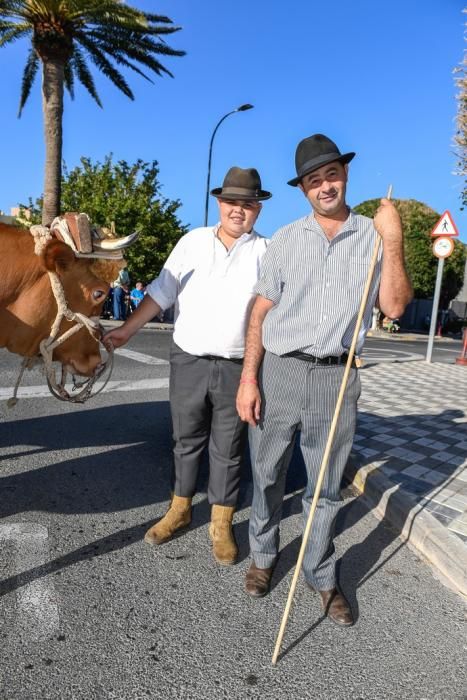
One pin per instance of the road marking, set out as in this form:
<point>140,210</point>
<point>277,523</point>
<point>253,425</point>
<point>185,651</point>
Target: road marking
<point>391,355</point>
<point>42,392</point>
<point>37,600</point>
<point>140,357</point>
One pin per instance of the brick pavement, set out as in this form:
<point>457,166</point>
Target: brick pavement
<point>412,429</point>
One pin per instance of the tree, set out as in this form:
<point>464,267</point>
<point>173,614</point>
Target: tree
<point>128,195</point>
<point>460,137</point>
<point>418,221</point>
<point>65,36</point>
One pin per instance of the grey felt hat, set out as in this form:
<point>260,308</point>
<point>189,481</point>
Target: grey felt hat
<point>314,152</point>
<point>241,184</point>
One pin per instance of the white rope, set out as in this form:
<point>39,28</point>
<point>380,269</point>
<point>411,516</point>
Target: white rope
<point>27,363</point>
<point>41,236</point>
<point>48,345</point>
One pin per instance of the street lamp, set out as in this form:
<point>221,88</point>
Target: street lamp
<point>242,108</point>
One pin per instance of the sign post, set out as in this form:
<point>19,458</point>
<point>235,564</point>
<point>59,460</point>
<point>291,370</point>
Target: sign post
<point>444,230</point>
<point>434,310</point>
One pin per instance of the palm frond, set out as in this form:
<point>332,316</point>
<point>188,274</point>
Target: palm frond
<point>157,18</point>
<point>7,37</point>
<point>122,61</point>
<point>84,76</point>
<point>100,60</point>
<point>69,79</point>
<point>29,74</point>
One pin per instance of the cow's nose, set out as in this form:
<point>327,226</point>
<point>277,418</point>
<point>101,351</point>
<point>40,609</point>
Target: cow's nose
<point>86,366</point>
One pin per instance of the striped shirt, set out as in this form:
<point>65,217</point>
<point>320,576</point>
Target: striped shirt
<point>317,285</point>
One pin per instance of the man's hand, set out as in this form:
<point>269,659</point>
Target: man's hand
<point>249,403</point>
<point>116,337</point>
<point>147,310</point>
<point>388,222</point>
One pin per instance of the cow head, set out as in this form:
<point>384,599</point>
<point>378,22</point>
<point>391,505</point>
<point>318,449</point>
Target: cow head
<point>84,293</point>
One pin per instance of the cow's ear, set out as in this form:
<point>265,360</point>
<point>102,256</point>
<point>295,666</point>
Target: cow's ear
<point>57,256</point>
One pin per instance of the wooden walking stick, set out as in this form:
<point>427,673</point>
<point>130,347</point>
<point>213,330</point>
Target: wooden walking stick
<point>327,451</point>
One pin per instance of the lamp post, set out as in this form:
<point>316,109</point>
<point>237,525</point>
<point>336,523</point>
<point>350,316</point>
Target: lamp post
<point>242,108</point>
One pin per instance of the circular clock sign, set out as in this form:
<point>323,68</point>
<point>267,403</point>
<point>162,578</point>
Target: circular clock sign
<point>443,247</point>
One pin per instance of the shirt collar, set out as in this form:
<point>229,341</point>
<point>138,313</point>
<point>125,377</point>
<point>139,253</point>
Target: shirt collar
<point>349,226</point>
<point>244,237</point>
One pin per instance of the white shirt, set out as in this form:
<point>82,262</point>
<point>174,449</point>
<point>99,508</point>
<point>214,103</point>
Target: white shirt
<point>212,289</point>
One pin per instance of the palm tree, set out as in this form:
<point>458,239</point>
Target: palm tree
<point>65,36</point>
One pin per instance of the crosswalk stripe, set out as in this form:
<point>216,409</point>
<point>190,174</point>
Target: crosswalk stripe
<point>140,357</point>
<point>40,392</point>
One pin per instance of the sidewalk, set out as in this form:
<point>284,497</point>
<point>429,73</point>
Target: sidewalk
<point>409,458</point>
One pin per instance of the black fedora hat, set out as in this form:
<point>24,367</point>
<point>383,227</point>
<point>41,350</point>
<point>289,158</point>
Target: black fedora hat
<point>241,184</point>
<point>314,152</point>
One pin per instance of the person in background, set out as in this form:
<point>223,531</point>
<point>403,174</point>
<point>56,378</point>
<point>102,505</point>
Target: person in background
<point>137,295</point>
<point>120,287</point>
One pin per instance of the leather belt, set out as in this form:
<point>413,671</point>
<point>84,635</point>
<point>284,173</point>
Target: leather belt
<point>330,360</point>
<point>237,360</point>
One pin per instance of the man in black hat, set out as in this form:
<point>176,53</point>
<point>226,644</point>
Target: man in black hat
<point>301,328</point>
<point>210,277</point>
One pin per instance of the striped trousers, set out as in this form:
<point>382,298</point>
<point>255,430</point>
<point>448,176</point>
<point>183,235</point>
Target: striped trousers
<point>300,396</point>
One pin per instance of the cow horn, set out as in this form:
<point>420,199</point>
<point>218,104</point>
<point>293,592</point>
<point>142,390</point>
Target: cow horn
<point>115,243</point>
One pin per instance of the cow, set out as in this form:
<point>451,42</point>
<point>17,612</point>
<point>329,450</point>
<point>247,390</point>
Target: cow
<point>28,307</point>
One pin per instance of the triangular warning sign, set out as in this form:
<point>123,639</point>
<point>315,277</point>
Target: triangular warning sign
<point>445,226</point>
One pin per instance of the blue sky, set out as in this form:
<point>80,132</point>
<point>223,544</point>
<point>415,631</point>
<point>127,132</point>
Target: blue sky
<point>375,77</point>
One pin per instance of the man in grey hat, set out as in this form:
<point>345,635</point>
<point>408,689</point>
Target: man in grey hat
<point>300,330</point>
<point>211,271</point>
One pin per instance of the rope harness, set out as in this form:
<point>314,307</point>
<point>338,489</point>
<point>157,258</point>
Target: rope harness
<point>47,346</point>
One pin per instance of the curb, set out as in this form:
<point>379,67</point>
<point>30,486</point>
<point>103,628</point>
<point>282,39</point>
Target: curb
<point>413,522</point>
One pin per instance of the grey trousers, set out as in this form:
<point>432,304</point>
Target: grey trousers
<point>202,402</point>
<point>299,396</point>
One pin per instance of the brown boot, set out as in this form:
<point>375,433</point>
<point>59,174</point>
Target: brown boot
<point>258,581</point>
<point>224,547</point>
<point>177,517</point>
<point>336,607</point>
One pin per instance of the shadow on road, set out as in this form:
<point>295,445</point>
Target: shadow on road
<point>130,467</point>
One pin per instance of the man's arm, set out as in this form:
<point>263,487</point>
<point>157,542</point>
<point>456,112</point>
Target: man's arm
<point>143,313</point>
<point>395,290</point>
<point>164,288</point>
<point>248,396</point>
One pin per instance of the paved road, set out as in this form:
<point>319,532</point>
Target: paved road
<point>90,611</point>
<point>395,350</point>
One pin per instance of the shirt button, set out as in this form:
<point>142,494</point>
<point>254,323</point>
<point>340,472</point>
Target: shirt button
<point>325,318</point>
<point>328,284</point>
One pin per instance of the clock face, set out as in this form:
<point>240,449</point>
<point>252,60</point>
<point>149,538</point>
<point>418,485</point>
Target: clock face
<point>443,247</point>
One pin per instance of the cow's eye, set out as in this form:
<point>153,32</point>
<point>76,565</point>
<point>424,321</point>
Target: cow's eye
<point>98,294</point>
